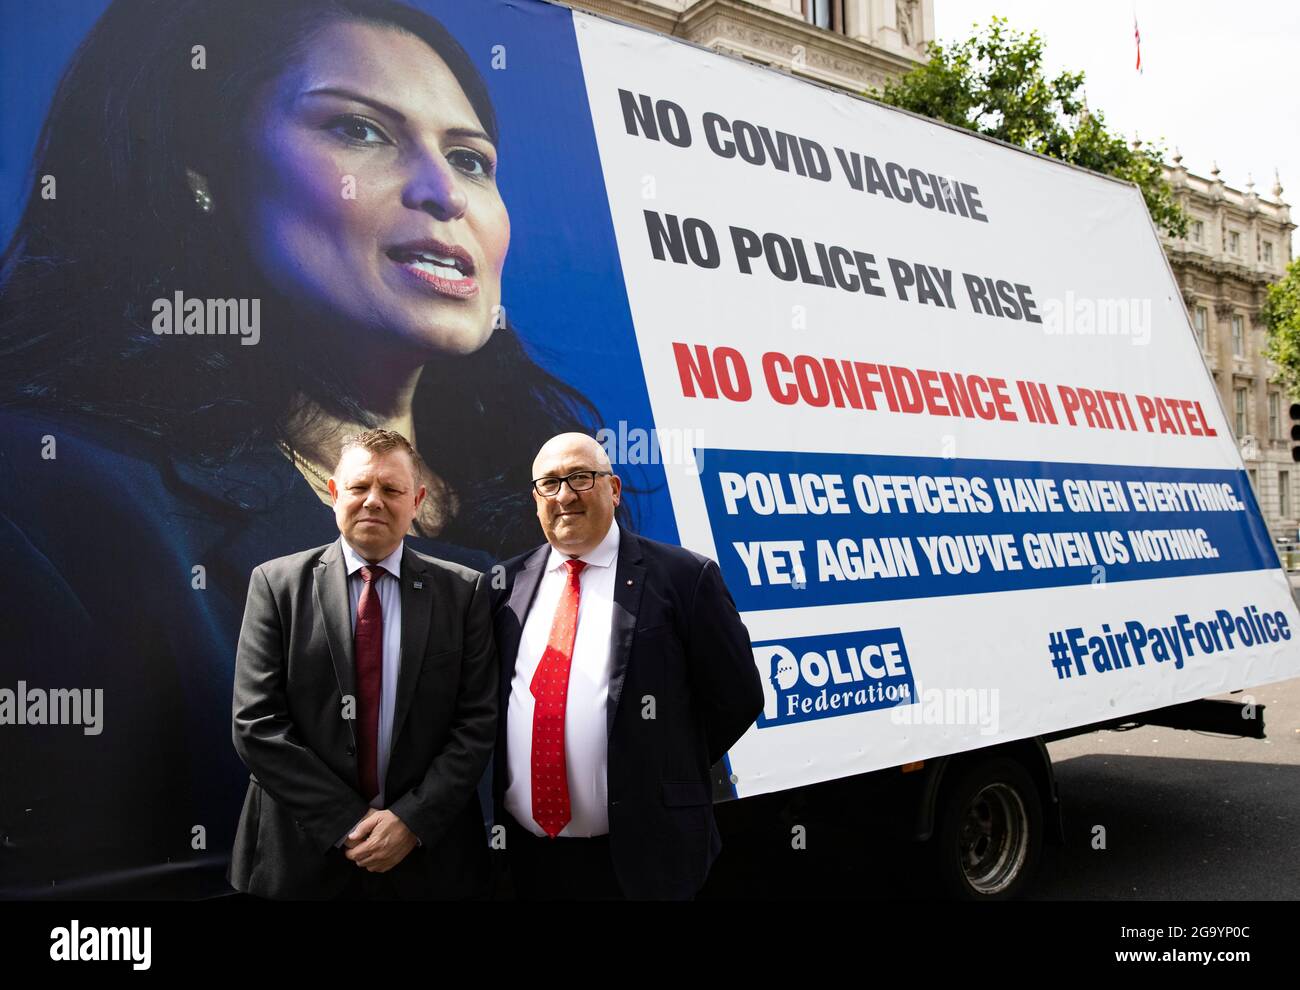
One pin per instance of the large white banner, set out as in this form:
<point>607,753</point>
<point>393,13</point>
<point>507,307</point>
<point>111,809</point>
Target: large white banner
<point>956,449</point>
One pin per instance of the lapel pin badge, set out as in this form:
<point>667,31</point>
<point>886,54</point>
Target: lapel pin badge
<point>629,582</point>
<point>419,585</point>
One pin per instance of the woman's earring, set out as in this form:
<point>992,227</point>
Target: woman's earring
<point>199,188</point>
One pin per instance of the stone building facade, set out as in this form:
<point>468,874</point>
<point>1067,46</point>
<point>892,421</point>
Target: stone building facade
<point>1239,242</point>
<point>850,44</point>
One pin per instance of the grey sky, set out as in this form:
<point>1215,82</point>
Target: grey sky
<point>1219,80</point>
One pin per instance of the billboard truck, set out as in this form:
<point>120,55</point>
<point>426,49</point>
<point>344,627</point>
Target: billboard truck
<point>932,402</point>
<point>961,460</point>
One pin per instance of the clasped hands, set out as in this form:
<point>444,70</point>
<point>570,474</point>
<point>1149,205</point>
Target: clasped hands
<point>379,841</point>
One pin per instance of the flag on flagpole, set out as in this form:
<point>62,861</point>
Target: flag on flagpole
<point>1137,40</point>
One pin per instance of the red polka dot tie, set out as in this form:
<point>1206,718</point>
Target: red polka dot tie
<point>550,687</point>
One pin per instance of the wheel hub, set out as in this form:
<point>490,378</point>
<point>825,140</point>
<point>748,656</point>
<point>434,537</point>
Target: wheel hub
<point>993,841</point>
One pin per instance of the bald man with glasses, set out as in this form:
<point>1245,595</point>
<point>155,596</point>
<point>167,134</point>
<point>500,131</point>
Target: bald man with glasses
<point>626,674</point>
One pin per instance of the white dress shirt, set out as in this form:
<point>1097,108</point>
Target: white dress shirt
<point>389,588</point>
<point>586,743</point>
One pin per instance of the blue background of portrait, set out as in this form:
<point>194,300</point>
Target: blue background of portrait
<point>563,285</point>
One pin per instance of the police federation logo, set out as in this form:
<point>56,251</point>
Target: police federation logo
<point>814,677</point>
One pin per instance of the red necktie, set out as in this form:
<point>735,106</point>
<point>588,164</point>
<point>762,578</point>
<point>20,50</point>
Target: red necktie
<point>550,687</point>
<point>369,650</point>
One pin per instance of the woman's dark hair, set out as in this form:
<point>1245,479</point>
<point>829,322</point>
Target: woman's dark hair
<point>78,279</point>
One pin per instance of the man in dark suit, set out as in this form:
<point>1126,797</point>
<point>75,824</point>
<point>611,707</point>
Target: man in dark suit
<point>626,673</point>
<point>365,704</point>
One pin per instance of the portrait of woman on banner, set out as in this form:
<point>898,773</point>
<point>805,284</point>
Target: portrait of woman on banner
<point>253,228</point>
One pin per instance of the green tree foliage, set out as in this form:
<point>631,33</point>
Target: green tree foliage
<point>1281,313</point>
<point>993,83</point>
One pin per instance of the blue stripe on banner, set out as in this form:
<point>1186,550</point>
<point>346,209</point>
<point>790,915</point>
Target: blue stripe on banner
<point>865,528</point>
<point>731,784</point>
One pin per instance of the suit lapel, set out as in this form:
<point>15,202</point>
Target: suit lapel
<point>417,604</point>
<point>522,593</point>
<point>629,580</point>
<point>330,590</point>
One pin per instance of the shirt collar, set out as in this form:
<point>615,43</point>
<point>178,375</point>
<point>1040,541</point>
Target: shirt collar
<point>392,563</point>
<point>605,553</point>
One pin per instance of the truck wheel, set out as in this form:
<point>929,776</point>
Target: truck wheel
<point>988,832</point>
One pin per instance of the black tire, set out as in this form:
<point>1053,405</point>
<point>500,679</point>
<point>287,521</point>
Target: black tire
<point>988,831</point>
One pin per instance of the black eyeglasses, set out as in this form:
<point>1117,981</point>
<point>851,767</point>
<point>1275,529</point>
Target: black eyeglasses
<point>579,481</point>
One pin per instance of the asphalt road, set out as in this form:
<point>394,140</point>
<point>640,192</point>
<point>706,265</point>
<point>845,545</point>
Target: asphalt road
<point>1187,816</point>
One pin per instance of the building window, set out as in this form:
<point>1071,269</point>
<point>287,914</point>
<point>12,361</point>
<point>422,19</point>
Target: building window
<point>1268,252</point>
<point>1234,242</point>
<point>1239,408</point>
<point>1238,336</point>
<point>1275,415</point>
<point>1200,320</point>
<point>1284,494</point>
<point>1253,482</point>
<point>828,14</point>
<point>1197,231</point>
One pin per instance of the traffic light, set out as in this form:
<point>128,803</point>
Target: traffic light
<point>1295,431</point>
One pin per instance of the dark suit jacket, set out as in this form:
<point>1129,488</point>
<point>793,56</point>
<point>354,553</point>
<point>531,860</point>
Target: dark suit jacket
<point>101,545</point>
<point>294,666</point>
<point>678,639</point>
